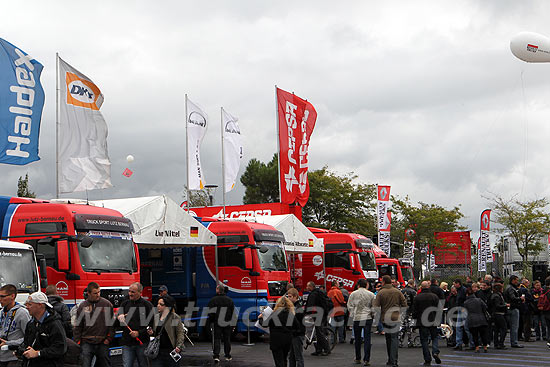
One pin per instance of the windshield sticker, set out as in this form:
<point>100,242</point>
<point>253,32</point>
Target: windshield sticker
<point>102,234</point>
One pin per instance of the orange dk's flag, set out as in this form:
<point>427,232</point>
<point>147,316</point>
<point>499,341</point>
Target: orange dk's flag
<point>296,121</point>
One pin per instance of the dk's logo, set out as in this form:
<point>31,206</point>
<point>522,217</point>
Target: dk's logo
<point>82,92</point>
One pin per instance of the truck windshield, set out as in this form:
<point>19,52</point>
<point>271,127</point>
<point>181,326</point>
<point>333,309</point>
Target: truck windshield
<point>407,273</point>
<point>367,260</point>
<point>18,267</point>
<point>110,252</point>
<point>384,269</point>
<point>274,259</point>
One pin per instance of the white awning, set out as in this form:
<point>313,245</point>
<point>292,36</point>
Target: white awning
<point>298,238</point>
<point>159,222</point>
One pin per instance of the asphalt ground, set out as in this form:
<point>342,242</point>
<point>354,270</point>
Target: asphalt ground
<point>534,354</point>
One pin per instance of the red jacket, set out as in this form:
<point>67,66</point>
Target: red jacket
<point>335,294</point>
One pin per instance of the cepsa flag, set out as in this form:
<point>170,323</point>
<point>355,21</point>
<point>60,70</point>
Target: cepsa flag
<point>296,123</point>
<point>21,102</point>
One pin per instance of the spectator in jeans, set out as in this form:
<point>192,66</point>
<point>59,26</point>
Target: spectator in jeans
<point>512,297</point>
<point>296,355</point>
<point>390,301</point>
<point>316,307</point>
<point>360,308</point>
<point>135,315</point>
<point>539,323</point>
<point>338,311</point>
<point>93,328</point>
<point>426,310</point>
<point>13,322</point>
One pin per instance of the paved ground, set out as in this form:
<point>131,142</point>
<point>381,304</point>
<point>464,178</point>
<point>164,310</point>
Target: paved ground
<point>534,354</point>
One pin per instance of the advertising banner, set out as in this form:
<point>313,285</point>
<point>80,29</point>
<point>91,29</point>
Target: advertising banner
<point>384,218</point>
<point>232,149</point>
<point>21,103</point>
<point>295,125</point>
<point>197,121</point>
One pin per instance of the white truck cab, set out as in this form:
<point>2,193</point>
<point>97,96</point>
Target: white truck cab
<point>18,267</point>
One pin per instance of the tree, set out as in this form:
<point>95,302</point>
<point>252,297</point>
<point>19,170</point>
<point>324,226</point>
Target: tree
<point>525,222</point>
<point>339,203</point>
<point>23,187</point>
<point>261,181</point>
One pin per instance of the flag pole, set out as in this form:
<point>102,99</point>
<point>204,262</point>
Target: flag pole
<point>223,161</point>
<point>278,144</point>
<point>58,100</point>
<point>187,155</point>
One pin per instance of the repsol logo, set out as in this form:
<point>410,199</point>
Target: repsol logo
<point>81,92</point>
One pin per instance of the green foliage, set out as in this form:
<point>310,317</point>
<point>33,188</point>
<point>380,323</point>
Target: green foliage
<point>23,187</point>
<point>339,203</point>
<point>525,221</point>
<point>261,181</point>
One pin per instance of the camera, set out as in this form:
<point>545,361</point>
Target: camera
<point>18,350</point>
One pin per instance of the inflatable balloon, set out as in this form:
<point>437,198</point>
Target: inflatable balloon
<point>130,158</point>
<point>531,47</point>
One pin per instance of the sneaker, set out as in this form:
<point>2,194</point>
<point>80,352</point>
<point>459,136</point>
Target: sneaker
<point>357,361</point>
<point>228,358</point>
<point>437,359</point>
<point>216,360</point>
<point>427,363</point>
<point>366,363</point>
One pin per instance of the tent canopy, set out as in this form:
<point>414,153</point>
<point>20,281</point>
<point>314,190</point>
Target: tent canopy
<point>298,238</point>
<point>159,222</point>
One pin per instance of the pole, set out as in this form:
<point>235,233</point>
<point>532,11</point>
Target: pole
<point>223,161</point>
<point>187,155</point>
<point>278,143</point>
<point>58,99</point>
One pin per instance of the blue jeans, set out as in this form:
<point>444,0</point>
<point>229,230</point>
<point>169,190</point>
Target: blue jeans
<point>539,325</point>
<point>392,342</point>
<point>364,327</point>
<point>296,355</point>
<point>339,327</point>
<point>427,333</point>
<point>133,353</point>
<point>460,330</point>
<point>100,351</point>
<point>512,318</point>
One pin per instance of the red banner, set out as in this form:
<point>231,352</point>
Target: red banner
<point>486,220</point>
<point>456,248</point>
<point>296,122</point>
<point>248,210</point>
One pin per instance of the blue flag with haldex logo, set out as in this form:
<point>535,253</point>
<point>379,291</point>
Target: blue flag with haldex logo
<point>21,103</point>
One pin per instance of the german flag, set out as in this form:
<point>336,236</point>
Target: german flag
<point>194,231</point>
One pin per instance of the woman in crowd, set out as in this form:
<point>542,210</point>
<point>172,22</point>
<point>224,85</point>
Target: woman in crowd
<point>282,325</point>
<point>170,329</point>
<point>477,322</point>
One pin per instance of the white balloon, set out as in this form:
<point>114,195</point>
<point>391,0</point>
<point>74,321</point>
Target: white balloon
<point>531,47</point>
<point>130,158</point>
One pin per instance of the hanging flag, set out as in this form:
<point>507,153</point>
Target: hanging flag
<point>196,128</point>
<point>82,141</point>
<point>486,255</point>
<point>384,218</point>
<point>232,149</point>
<point>21,103</point>
<point>408,245</point>
<point>296,123</point>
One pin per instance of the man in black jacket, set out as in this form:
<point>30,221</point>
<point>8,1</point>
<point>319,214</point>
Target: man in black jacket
<point>512,297</point>
<point>221,311</point>
<point>315,305</point>
<point>61,308</point>
<point>45,339</point>
<point>427,312</point>
<point>436,289</point>
<point>135,315</point>
<point>296,355</point>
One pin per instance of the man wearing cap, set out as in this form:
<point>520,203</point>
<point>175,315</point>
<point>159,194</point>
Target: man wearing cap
<point>163,292</point>
<point>45,340</point>
<point>13,321</point>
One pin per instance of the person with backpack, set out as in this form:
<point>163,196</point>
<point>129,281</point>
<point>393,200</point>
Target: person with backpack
<point>338,311</point>
<point>538,318</point>
<point>319,305</point>
<point>13,321</point>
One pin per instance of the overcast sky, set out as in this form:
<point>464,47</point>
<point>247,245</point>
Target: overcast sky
<point>424,96</point>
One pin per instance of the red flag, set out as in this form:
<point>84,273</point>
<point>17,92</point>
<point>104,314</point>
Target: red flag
<point>485,220</point>
<point>127,173</point>
<point>296,122</point>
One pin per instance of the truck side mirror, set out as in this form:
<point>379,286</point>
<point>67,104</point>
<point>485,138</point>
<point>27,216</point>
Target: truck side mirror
<point>248,258</point>
<point>43,268</point>
<point>62,254</point>
<point>85,241</point>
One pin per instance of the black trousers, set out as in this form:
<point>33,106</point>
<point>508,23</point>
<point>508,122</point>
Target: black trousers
<point>477,332</point>
<point>280,355</point>
<point>527,324</point>
<point>500,329</point>
<point>222,333</point>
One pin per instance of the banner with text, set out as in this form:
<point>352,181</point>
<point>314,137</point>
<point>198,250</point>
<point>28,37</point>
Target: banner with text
<point>232,149</point>
<point>21,103</point>
<point>485,247</point>
<point>197,121</point>
<point>384,218</point>
<point>296,123</point>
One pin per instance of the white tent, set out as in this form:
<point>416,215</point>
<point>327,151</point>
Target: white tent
<point>160,222</point>
<point>298,238</point>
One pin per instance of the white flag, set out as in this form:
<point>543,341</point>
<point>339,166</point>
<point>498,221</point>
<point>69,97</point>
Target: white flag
<point>196,128</point>
<point>82,140</point>
<point>232,149</point>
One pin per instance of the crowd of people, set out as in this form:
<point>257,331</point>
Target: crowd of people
<point>480,312</point>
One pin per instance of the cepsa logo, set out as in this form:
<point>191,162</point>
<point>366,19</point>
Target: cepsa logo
<point>82,92</point>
